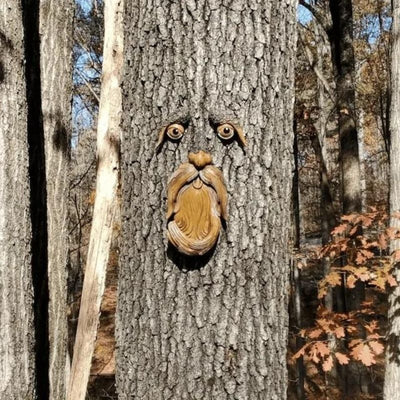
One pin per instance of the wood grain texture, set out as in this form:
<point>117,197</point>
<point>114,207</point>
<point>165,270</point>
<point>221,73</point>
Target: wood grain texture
<point>56,90</point>
<point>197,200</point>
<point>105,206</point>
<point>16,291</point>
<point>214,328</point>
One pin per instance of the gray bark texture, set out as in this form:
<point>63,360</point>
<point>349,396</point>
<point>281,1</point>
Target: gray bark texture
<point>56,90</point>
<point>392,371</point>
<point>16,293</point>
<point>211,327</point>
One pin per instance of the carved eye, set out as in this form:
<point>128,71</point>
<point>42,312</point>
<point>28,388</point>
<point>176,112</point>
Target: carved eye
<point>175,131</point>
<point>226,131</point>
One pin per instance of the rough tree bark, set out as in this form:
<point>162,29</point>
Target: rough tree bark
<point>16,292</point>
<point>105,206</point>
<point>213,327</point>
<point>392,372</point>
<point>56,86</point>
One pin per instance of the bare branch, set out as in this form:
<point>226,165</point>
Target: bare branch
<point>87,83</point>
<point>317,71</point>
<point>318,15</point>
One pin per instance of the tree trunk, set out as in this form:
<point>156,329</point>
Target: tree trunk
<point>105,206</point>
<point>56,85</point>
<point>296,309</point>
<point>16,292</point>
<point>210,327</point>
<point>341,38</point>
<point>392,372</point>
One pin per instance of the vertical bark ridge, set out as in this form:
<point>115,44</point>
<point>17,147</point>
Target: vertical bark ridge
<point>213,327</point>
<point>17,360</point>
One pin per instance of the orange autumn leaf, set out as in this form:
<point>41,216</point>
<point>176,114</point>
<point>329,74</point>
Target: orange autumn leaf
<point>339,332</point>
<point>391,280</point>
<point>342,358</point>
<point>362,352</point>
<point>362,273</point>
<point>322,349</point>
<point>391,233</point>
<point>334,279</point>
<point>351,280</point>
<point>376,347</point>
<point>383,242</point>
<point>353,230</point>
<point>396,255</point>
<point>327,364</point>
<point>372,326</point>
<point>315,333</point>
<point>300,353</point>
<point>349,217</point>
<point>339,229</point>
<point>360,259</point>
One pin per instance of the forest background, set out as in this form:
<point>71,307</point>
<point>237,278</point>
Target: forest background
<point>341,259</point>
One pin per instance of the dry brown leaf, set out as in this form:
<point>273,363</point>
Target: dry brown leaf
<point>383,244</point>
<point>315,333</point>
<point>339,229</point>
<point>391,280</point>
<point>300,353</point>
<point>351,280</point>
<point>376,347</point>
<point>327,364</point>
<point>334,279</point>
<point>339,332</point>
<point>342,358</point>
<point>362,352</point>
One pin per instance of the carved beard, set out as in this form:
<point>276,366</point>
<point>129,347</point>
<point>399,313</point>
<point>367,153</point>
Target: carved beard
<point>197,200</point>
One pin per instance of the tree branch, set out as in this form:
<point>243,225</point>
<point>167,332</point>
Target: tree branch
<point>318,15</point>
<point>88,85</point>
<point>316,70</point>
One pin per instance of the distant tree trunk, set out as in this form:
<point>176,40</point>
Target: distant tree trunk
<point>105,206</point>
<point>17,361</point>
<point>296,272</point>
<point>211,327</point>
<point>392,372</point>
<point>341,38</point>
<point>56,85</point>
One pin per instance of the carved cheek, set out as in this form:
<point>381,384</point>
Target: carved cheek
<point>195,220</point>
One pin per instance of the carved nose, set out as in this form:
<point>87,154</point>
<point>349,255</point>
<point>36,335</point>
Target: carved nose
<point>200,159</point>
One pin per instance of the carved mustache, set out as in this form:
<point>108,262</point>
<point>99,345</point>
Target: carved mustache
<point>197,200</point>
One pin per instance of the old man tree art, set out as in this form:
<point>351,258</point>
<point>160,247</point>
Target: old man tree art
<point>203,286</point>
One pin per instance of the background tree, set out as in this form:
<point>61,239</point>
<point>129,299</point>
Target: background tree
<point>392,373</point>
<point>17,357</point>
<point>105,205</point>
<point>214,327</point>
<point>56,94</point>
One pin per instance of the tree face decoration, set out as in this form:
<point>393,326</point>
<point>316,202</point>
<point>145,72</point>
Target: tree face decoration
<point>197,196</point>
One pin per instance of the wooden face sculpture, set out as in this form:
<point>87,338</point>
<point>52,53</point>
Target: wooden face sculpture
<point>197,197</point>
<point>197,201</point>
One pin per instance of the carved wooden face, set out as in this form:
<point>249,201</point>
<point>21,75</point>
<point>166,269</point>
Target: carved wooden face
<point>197,196</point>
